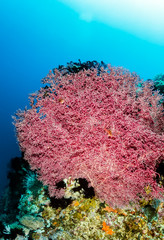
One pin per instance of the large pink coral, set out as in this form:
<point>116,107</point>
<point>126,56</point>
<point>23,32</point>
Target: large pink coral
<point>101,127</point>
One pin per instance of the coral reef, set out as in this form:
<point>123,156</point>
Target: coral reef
<point>95,122</point>
<point>159,83</point>
<point>39,217</point>
<point>92,159</point>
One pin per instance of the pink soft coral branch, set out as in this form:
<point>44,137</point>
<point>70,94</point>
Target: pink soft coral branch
<point>96,127</point>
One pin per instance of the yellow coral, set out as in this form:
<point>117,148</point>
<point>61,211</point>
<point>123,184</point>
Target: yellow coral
<point>75,203</point>
<point>147,189</point>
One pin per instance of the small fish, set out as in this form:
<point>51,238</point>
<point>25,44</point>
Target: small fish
<point>61,100</point>
<point>109,132</point>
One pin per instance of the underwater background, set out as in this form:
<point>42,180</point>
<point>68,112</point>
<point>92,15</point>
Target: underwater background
<point>91,134</point>
<point>38,35</point>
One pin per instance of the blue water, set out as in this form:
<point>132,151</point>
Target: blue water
<point>37,35</point>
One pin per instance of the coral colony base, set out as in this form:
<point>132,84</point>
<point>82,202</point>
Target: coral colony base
<point>93,150</point>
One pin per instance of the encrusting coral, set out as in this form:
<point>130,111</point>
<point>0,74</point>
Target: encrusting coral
<point>83,218</point>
